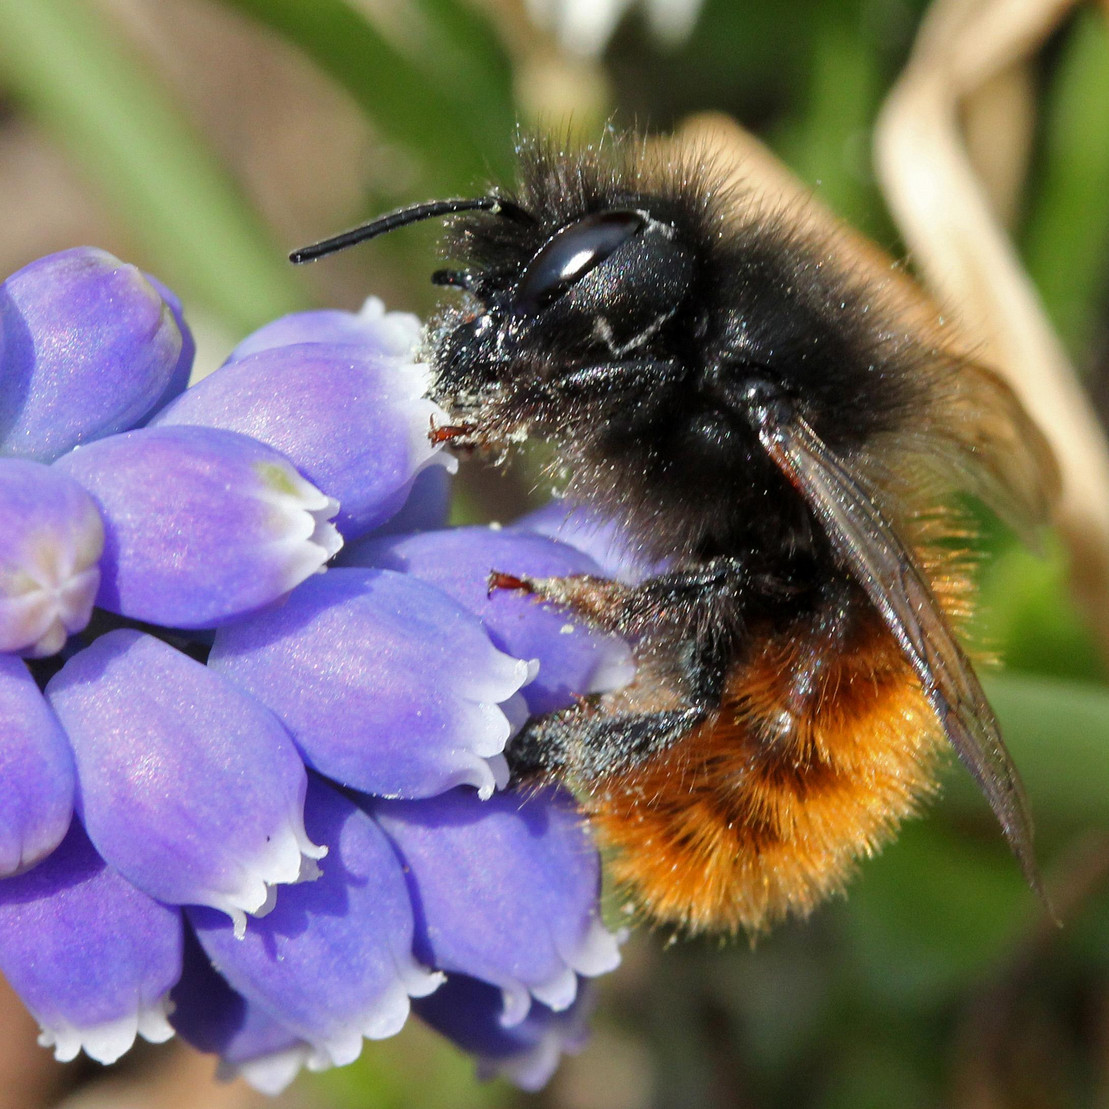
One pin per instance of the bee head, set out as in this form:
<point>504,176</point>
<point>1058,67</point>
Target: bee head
<point>549,306</point>
<point>612,276</point>
<point>547,295</point>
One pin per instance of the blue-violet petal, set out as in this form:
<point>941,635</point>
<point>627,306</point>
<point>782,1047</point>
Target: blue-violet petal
<point>179,379</point>
<point>354,423</point>
<point>201,524</point>
<point>92,958</point>
<point>187,786</point>
<point>387,334</point>
<point>574,660</point>
<point>385,684</point>
<point>36,767</point>
<point>333,962</point>
<point>89,347</point>
<point>211,1016</point>
<point>612,548</point>
<point>50,546</point>
<point>470,1013</point>
<point>506,891</point>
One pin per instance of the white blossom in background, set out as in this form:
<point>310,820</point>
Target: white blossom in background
<point>584,27</point>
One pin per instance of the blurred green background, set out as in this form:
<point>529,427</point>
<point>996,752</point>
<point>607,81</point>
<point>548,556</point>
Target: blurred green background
<point>202,140</point>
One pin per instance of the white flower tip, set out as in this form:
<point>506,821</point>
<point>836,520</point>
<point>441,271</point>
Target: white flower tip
<point>420,415</point>
<point>516,712</point>
<point>76,597</point>
<point>530,1070</point>
<point>415,377</point>
<point>42,603</point>
<point>398,332</point>
<point>384,1016</point>
<point>599,951</point>
<point>517,1004</point>
<point>268,1074</point>
<point>283,486</point>
<point>498,764</point>
<point>418,980</point>
<point>326,535</point>
<point>65,1041</point>
<point>154,1025</point>
<point>109,1041</point>
<point>238,922</point>
<point>500,677</point>
<point>283,858</point>
<point>280,860</point>
<point>372,310</point>
<point>341,1048</point>
<point>388,1014</point>
<point>559,992</point>
<point>482,773</point>
<point>309,870</point>
<point>301,533</point>
<point>449,462</point>
<point>488,786</point>
<point>266,907</point>
<point>311,850</point>
<point>49,642</point>
<point>18,855</point>
<point>491,729</point>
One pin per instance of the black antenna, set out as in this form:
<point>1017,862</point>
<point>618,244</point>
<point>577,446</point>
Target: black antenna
<point>404,216</point>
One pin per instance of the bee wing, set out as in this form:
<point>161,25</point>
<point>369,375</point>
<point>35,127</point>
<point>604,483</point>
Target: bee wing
<point>871,549</point>
<point>999,453</point>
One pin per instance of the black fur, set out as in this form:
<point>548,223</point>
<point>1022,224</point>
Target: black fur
<point>644,373</point>
<point>657,432</point>
<point>750,412</point>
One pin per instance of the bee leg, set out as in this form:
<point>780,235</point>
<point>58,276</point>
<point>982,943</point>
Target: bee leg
<point>600,601</point>
<point>589,744</point>
<point>673,693</point>
<point>683,625</point>
<point>675,598</point>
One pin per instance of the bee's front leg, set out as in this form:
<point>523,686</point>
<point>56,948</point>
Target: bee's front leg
<point>688,603</point>
<point>602,602</point>
<point>682,627</point>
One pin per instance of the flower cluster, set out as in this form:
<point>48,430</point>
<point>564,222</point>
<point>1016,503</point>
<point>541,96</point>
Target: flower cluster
<point>246,800</point>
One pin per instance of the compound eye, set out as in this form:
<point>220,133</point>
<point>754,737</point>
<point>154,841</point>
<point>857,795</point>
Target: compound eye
<point>571,254</point>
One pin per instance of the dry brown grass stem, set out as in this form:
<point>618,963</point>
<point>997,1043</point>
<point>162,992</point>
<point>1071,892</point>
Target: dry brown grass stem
<point>960,248</point>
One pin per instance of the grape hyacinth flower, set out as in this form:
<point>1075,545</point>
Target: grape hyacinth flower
<point>254,793</point>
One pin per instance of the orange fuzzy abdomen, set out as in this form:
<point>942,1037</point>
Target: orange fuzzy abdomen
<point>819,749</point>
